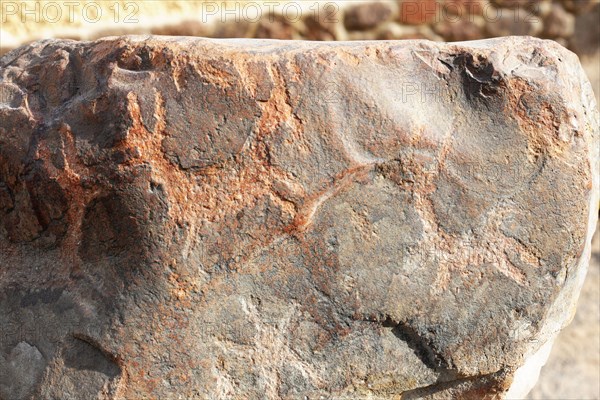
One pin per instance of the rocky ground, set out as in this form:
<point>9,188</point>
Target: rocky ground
<point>573,369</point>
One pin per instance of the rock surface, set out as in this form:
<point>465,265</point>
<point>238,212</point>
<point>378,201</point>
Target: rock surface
<point>573,367</point>
<point>194,218</point>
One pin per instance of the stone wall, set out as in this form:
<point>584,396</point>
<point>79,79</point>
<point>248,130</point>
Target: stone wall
<point>568,22</point>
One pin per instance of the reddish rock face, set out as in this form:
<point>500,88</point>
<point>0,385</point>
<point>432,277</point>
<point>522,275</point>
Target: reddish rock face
<point>254,219</point>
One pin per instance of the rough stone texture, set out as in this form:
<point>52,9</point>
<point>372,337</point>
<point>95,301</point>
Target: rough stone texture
<point>573,367</point>
<point>194,218</point>
<point>572,23</point>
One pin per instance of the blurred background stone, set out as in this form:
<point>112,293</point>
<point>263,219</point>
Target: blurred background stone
<point>275,27</point>
<point>367,16</point>
<point>558,23</point>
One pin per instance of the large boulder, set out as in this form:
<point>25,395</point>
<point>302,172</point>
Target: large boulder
<point>249,219</point>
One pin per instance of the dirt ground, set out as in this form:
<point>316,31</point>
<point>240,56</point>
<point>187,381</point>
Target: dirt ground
<point>573,368</point>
